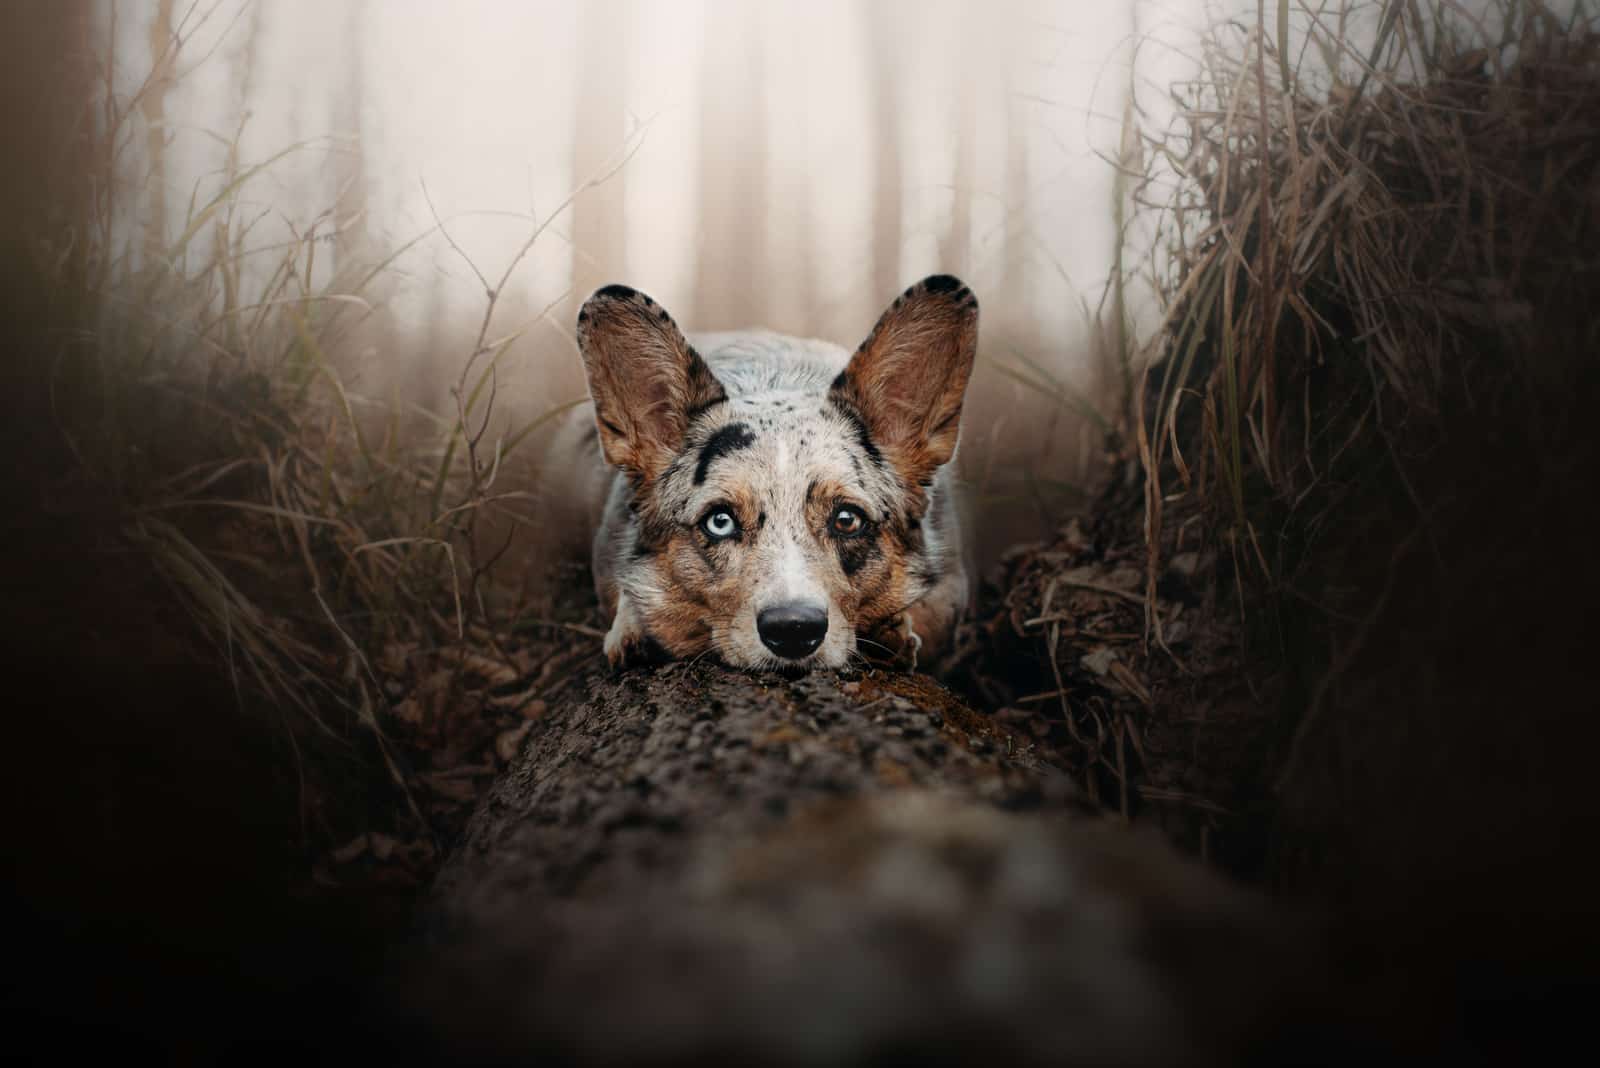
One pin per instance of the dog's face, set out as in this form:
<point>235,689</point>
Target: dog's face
<point>772,526</point>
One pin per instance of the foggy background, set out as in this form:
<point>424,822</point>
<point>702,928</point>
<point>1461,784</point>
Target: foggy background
<point>785,164</point>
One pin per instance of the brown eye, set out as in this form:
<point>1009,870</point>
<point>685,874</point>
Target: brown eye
<point>847,522</point>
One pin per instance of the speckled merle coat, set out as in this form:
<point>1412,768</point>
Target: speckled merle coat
<point>774,500</point>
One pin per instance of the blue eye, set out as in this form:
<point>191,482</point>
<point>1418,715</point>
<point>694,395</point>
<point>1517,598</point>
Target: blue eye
<point>720,524</point>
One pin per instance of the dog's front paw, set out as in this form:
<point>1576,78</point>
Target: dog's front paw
<point>627,643</point>
<point>625,635</point>
<point>893,642</point>
<point>616,643</point>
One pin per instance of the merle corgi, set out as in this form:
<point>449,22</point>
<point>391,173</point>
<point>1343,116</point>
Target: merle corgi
<point>777,502</point>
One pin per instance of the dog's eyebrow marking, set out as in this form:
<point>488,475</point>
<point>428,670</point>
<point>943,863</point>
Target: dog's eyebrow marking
<point>863,437</point>
<point>700,409</point>
<point>729,438</point>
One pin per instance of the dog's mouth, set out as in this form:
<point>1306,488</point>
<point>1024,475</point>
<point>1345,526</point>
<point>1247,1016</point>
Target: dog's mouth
<point>793,670</point>
<point>789,669</point>
<point>742,658</point>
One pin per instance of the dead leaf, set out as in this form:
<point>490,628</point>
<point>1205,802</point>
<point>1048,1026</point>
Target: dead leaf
<point>450,788</point>
<point>395,658</point>
<point>514,702</point>
<point>382,845</point>
<point>507,743</point>
<point>350,850</point>
<point>408,712</point>
<point>1184,563</point>
<point>494,672</point>
<point>1125,578</point>
<point>1100,660</point>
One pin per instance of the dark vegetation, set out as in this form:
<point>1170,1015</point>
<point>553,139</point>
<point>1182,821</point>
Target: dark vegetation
<point>1326,623</point>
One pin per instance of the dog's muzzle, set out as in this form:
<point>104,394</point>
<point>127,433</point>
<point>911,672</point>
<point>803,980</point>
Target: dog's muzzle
<point>794,630</point>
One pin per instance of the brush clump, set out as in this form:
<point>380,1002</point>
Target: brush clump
<point>1347,487</point>
<point>226,494</point>
<point>1372,405</point>
<point>1367,251</point>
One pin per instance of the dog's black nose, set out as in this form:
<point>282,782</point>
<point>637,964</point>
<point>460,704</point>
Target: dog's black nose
<point>792,630</point>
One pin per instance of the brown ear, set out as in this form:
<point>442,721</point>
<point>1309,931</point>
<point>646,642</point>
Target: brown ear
<point>646,380</point>
<point>908,378</point>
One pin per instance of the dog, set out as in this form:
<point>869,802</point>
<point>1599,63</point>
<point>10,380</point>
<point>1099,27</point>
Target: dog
<point>774,501</point>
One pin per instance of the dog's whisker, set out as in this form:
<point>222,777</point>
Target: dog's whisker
<point>868,641</point>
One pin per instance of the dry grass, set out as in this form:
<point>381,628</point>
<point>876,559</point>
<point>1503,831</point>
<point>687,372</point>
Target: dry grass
<point>1362,432</point>
<point>1356,247</point>
<point>1374,404</point>
<point>307,529</point>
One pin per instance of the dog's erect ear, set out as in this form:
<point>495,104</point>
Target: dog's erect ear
<point>908,378</point>
<point>646,380</point>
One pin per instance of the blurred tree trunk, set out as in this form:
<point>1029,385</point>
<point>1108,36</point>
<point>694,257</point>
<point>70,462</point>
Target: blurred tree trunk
<point>153,107</point>
<point>599,216</point>
<point>731,263</point>
<point>955,250</point>
<point>47,211</point>
<point>232,267</point>
<point>1019,222</point>
<point>888,194</point>
<point>1114,388</point>
<point>698,862</point>
<point>350,173</point>
<point>789,116</point>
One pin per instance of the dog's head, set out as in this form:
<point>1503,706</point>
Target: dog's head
<point>774,525</point>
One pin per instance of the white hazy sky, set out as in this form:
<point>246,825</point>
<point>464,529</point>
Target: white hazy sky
<point>480,101</point>
<point>755,193</point>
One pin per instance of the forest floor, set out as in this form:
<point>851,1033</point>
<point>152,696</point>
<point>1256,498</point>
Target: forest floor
<point>169,845</point>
